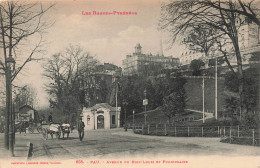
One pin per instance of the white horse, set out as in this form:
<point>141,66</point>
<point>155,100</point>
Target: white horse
<point>65,128</point>
<point>52,129</point>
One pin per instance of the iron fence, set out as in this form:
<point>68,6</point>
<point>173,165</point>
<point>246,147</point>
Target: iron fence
<point>230,134</point>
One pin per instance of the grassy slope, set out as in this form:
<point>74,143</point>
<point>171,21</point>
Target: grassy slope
<point>194,95</point>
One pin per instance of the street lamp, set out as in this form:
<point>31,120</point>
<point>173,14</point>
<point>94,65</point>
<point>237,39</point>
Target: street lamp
<point>133,119</point>
<point>10,62</point>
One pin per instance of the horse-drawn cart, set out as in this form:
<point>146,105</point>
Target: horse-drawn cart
<point>52,129</point>
<point>35,126</point>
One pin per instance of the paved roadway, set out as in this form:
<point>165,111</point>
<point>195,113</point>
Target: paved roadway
<point>118,143</point>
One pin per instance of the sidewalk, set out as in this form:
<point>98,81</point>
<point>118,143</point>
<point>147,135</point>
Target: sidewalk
<point>20,149</point>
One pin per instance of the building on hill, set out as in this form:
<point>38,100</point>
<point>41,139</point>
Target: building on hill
<point>101,116</point>
<point>249,44</point>
<point>107,72</point>
<point>140,63</point>
<point>99,85</point>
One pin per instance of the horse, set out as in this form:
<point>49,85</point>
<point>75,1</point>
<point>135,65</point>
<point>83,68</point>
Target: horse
<point>66,129</point>
<point>52,129</point>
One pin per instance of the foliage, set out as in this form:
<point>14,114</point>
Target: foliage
<point>251,101</point>
<point>199,38</point>
<point>20,22</point>
<point>21,25</point>
<point>195,66</point>
<point>27,96</point>
<point>231,82</point>
<point>174,102</point>
<point>73,81</point>
<point>179,17</point>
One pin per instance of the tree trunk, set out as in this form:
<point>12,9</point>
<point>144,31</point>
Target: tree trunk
<point>240,76</point>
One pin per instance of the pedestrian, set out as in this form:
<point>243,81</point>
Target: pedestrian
<point>50,118</point>
<point>81,126</point>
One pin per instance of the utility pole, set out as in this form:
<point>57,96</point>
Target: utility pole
<point>7,115</point>
<point>203,99</point>
<point>216,88</point>
<point>11,141</point>
<point>116,106</point>
<point>133,120</point>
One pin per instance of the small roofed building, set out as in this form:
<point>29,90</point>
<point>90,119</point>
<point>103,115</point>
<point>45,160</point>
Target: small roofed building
<point>26,113</point>
<point>101,116</point>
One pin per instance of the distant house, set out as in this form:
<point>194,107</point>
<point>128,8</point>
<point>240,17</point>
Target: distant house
<point>101,116</point>
<point>26,113</point>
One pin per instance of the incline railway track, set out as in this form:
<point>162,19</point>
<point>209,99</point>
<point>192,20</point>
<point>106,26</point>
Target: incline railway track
<point>54,149</point>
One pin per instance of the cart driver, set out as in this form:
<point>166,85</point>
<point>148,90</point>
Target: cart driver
<point>50,118</point>
<point>81,126</point>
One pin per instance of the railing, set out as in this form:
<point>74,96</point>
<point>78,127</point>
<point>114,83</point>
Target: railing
<point>230,134</point>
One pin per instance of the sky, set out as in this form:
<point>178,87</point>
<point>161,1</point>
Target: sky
<point>108,37</point>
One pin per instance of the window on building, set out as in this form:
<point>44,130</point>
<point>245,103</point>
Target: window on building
<point>113,119</point>
<point>88,120</point>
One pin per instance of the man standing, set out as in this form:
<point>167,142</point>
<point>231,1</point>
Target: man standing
<point>81,126</point>
<point>50,118</point>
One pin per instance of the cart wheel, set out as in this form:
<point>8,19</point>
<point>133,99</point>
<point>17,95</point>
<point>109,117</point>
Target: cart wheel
<point>39,129</point>
<point>31,130</point>
<point>20,130</point>
<point>44,133</point>
<point>58,135</point>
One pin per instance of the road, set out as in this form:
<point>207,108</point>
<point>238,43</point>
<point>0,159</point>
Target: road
<point>117,143</point>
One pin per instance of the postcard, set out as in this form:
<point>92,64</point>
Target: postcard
<point>129,83</point>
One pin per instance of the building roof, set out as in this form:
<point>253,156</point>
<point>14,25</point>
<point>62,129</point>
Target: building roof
<point>25,109</point>
<point>102,105</point>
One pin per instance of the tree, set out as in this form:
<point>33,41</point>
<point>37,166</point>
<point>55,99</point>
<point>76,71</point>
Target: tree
<point>174,103</point>
<point>248,9</point>
<point>199,38</point>
<point>63,71</point>
<point>195,66</point>
<point>249,119</point>
<point>73,81</point>
<point>179,16</point>
<point>27,95</point>
<point>18,22</point>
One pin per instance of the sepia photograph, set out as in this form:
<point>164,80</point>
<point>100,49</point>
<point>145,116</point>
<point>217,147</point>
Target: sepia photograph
<point>130,83</point>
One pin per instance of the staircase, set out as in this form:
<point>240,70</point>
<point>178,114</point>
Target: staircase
<point>207,115</point>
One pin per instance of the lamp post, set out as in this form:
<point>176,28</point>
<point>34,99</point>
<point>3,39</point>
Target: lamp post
<point>10,62</point>
<point>133,120</point>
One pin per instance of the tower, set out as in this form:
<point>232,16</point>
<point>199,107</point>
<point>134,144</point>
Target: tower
<point>138,49</point>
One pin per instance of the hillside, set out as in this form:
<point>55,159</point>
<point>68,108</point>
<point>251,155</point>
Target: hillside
<point>193,89</point>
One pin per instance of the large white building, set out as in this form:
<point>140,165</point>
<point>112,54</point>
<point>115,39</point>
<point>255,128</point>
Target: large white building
<point>139,62</point>
<point>249,44</point>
